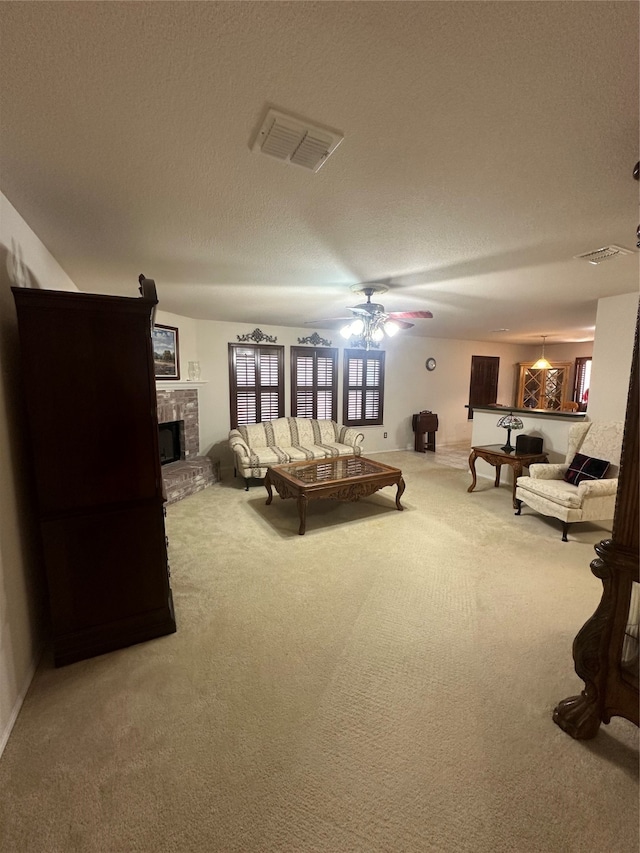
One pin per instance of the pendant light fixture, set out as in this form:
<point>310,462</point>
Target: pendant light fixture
<point>542,363</point>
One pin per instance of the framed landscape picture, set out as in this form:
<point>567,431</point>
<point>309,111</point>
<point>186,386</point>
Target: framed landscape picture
<point>166,362</point>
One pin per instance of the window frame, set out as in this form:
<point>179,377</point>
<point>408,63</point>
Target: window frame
<point>579,380</point>
<point>366,356</point>
<point>258,388</point>
<point>330,353</point>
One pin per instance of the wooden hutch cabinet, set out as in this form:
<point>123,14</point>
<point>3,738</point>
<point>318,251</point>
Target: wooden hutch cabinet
<point>89,387</point>
<point>543,389</point>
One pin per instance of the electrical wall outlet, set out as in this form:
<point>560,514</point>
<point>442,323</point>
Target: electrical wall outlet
<point>385,435</point>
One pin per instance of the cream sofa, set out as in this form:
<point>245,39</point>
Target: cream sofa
<point>546,491</point>
<point>256,446</point>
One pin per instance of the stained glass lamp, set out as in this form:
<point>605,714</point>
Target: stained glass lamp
<point>509,422</point>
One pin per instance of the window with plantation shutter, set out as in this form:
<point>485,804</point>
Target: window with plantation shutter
<point>582,382</point>
<point>256,383</point>
<point>314,383</point>
<point>363,387</point>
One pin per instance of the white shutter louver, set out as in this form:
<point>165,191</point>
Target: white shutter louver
<point>364,377</point>
<point>372,405</point>
<point>355,405</point>
<point>304,407</point>
<point>245,369</point>
<point>325,405</point>
<point>314,383</point>
<point>246,407</point>
<point>256,390</point>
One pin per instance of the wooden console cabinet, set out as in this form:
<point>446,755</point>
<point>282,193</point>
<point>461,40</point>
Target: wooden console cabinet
<point>89,386</point>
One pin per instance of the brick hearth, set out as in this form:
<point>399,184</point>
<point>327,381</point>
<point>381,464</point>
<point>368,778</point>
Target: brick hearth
<point>194,472</point>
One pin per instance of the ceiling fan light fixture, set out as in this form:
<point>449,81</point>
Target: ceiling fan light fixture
<point>391,328</point>
<point>345,331</point>
<point>377,334</point>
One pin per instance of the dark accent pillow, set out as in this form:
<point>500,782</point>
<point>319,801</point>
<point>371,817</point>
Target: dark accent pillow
<point>585,468</point>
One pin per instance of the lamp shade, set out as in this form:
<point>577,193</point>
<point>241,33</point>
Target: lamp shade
<point>542,363</point>
<point>509,422</point>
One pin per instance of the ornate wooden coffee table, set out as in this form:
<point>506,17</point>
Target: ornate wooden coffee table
<point>345,478</point>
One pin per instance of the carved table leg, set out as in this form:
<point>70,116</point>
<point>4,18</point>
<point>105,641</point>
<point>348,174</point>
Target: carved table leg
<point>472,468</point>
<point>267,485</point>
<point>517,506</point>
<point>580,716</point>
<point>401,487</point>
<point>497,480</point>
<point>302,512</point>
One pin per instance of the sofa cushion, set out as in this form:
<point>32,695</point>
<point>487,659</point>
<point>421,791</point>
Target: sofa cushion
<point>585,468</point>
<point>254,435</point>
<point>278,432</point>
<point>558,491</point>
<point>335,448</point>
<point>298,453</point>
<point>267,456</point>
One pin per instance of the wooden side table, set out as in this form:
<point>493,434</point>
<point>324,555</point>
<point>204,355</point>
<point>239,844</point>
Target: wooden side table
<point>496,456</point>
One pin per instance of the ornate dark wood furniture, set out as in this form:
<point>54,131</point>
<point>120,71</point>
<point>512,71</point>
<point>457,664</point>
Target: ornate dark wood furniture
<point>346,478</point>
<point>425,422</point>
<point>605,650</point>
<point>496,456</point>
<point>89,386</point>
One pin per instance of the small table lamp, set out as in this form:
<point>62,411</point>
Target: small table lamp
<point>509,422</point>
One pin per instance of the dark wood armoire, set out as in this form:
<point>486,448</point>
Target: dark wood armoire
<point>89,386</point>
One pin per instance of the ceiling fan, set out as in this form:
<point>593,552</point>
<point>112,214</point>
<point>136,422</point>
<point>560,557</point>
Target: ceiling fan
<point>370,321</point>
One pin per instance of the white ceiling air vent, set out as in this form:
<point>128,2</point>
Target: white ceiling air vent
<point>296,141</point>
<point>603,254</point>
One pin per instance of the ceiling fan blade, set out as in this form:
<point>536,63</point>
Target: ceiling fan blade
<point>326,320</point>
<point>402,323</point>
<point>412,315</point>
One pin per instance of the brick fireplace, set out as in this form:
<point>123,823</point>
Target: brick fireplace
<point>192,472</point>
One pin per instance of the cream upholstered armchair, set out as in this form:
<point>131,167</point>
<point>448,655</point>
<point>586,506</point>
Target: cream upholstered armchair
<point>593,499</point>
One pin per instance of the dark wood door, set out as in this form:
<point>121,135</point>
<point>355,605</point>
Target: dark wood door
<point>483,388</point>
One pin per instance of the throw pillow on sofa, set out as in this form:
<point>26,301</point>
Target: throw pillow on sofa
<point>585,468</point>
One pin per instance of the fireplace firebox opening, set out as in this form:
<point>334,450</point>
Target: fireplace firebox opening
<point>171,441</point>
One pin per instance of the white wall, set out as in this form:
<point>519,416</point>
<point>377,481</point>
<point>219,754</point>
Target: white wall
<point>409,387</point>
<point>24,262</point>
<point>612,354</point>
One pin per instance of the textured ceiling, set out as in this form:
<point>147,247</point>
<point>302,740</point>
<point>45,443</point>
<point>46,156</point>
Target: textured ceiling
<point>485,145</point>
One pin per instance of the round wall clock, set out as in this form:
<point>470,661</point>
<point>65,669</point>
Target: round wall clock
<point>430,364</point>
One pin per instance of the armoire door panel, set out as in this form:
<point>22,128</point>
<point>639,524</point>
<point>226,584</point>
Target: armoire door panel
<point>93,396</point>
<point>89,582</point>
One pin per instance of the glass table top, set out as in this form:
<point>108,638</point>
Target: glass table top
<point>339,468</point>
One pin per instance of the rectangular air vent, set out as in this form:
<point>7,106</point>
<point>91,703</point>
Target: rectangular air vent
<point>603,254</point>
<point>295,141</point>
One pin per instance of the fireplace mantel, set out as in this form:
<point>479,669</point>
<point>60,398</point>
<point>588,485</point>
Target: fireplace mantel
<point>172,384</point>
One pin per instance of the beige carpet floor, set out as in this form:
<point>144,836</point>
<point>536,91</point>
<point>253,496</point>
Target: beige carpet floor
<point>383,683</point>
